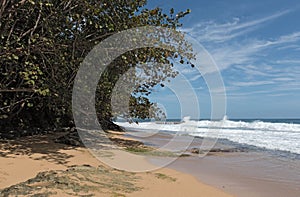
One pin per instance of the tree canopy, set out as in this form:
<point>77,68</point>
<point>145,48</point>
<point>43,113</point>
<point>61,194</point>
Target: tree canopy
<point>43,42</point>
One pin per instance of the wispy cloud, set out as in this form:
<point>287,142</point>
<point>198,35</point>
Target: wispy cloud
<point>220,39</point>
<point>249,51</point>
<point>210,31</point>
<point>251,83</point>
<point>294,61</point>
<point>290,38</point>
<point>250,60</point>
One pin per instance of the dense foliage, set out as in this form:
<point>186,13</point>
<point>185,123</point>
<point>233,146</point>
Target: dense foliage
<point>43,42</point>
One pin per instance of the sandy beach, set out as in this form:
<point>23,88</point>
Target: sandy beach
<point>149,98</point>
<point>37,165</point>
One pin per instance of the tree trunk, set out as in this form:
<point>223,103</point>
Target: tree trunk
<point>109,125</point>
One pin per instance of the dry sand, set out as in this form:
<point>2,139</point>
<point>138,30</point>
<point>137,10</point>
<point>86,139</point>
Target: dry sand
<point>24,158</point>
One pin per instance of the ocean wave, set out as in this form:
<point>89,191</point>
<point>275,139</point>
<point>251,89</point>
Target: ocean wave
<point>274,136</point>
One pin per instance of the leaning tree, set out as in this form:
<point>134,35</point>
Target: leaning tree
<point>43,42</point>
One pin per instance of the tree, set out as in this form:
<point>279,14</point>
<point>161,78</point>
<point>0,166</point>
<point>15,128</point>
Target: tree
<point>43,43</point>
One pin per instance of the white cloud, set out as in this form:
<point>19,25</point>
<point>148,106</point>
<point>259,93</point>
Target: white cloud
<point>283,79</point>
<point>296,61</point>
<point>251,61</point>
<point>251,83</point>
<point>196,77</point>
<point>210,31</point>
<point>226,51</point>
<point>249,51</point>
<point>290,38</point>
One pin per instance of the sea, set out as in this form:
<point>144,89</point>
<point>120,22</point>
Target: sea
<point>280,136</point>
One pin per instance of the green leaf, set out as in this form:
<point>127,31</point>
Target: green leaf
<point>15,57</point>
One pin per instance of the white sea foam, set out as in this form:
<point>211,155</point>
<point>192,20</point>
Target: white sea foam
<point>275,136</point>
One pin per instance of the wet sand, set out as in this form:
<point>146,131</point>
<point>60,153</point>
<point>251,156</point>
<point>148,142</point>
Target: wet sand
<point>246,174</point>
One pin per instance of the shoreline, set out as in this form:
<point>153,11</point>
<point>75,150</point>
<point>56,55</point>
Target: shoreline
<point>243,173</point>
<point>23,161</point>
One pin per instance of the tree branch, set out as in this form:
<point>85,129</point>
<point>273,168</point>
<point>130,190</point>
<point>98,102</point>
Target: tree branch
<point>18,90</point>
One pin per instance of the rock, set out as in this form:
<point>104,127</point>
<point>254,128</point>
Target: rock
<point>195,150</point>
<point>72,138</point>
<point>217,150</point>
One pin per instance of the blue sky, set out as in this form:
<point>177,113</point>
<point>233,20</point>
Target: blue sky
<point>256,46</point>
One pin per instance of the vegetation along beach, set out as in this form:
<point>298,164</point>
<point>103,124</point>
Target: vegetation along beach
<point>149,98</point>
